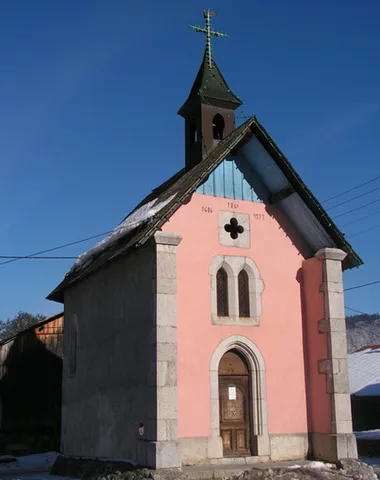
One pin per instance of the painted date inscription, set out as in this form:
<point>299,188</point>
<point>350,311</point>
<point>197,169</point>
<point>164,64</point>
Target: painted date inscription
<point>207,209</point>
<point>258,216</point>
<point>232,205</point>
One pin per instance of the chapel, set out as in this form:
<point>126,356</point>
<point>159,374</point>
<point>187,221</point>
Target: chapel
<point>209,326</point>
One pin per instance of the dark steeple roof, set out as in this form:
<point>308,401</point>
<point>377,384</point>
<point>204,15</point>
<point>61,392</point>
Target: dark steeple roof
<point>210,87</point>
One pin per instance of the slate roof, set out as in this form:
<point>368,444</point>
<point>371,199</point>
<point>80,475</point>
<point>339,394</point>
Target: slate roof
<point>211,87</point>
<point>186,181</point>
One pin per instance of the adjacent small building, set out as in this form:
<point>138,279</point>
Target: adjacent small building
<point>364,378</point>
<point>30,387</point>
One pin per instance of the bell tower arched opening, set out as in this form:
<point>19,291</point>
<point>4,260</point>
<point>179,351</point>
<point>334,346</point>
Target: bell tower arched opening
<point>218,127</point>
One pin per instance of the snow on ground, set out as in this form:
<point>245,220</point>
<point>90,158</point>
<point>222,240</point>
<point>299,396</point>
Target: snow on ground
<point>317,465</point>
<point>373,461</point>
<point>368,435</point>
<point>31,467</point>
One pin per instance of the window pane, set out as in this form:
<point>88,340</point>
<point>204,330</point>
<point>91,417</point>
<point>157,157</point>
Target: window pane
<point>243,294</point>
<point>222,293</point>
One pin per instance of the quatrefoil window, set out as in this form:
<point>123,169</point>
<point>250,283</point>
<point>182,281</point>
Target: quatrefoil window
<point>233,228</point>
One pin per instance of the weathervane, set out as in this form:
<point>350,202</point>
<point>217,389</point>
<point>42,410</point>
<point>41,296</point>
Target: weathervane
<point>207,14</point>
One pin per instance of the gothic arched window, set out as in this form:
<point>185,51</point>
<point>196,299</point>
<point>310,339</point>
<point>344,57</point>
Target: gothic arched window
<point>218,127</point>
<point>243,289</point>
<point>222,293</point>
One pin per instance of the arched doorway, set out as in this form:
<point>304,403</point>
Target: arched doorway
<point>235,404</point>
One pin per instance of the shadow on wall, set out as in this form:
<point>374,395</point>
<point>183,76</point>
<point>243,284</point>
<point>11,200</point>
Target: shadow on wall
<point>284,223</point>
<point>31,393</point>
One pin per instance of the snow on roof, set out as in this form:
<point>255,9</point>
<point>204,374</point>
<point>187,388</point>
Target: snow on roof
<point>132,221</point>
<point>364,371</point>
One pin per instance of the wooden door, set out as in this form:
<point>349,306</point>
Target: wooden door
<point>234,398</point>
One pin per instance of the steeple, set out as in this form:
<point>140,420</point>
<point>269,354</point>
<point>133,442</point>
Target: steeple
<point>209,110</point>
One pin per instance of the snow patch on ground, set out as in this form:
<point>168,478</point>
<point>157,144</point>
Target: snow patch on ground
<point>317,465</point>
<point>368,435</point>
<point>40,461</point>
<point>30,467</point>
<point>373,461</point>
<point>134,220</point>
<point>123,460</point>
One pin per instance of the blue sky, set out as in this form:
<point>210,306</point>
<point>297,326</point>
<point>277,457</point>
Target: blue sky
<point>89,92</point>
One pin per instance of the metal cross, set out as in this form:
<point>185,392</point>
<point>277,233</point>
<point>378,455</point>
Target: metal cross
<point>207,14</point>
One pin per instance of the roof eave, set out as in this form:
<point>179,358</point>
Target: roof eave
<point>352,260</point>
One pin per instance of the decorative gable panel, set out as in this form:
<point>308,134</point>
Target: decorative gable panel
<point>229,180</point>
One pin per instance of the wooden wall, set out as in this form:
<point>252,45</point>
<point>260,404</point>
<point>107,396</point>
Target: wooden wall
<point>31,386</point>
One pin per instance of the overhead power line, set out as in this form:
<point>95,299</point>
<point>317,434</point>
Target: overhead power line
<point>354,198</point>
<point>361,218</point>
<point>354,310</point>
<point>362,286</point>
<point>375,227</point>
<point>15,259</point>
<point>38,255</point>
<point>357,208</point>
<point>351,189</point>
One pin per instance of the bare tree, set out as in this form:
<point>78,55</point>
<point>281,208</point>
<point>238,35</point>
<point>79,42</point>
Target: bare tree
<point>18,323</point>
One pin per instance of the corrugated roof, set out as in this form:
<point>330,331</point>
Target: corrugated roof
<point>186,181</point>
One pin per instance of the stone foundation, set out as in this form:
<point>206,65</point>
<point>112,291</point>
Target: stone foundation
<point>199,450</point>
<point>107,470</point>
<point>289,447</point>
<point>330,447</point>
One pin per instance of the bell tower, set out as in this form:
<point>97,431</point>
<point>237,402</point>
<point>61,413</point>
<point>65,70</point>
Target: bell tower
<point>209,110</point>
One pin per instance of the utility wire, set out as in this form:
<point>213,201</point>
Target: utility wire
<point>354,310</point>
<point>37,255</point>
<point>365,231</point>
<point>351,189</point>
<point>354,198</point>
<point>36,258</point>
<point>54,248</point>
<point>362,286</point>
<point>357,208</point>
<point>361,218</point>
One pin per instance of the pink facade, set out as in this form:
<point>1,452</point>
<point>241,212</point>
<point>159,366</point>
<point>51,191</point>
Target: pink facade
<point>320,415</point>
<point>279,337</point>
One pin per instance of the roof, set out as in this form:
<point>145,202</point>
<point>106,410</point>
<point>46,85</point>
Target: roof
<point>177,190</point>
<point>364,371</point>
<point>211,87</point>
<point>32,327</point>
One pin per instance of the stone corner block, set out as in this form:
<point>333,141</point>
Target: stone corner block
<point>331,254</point>
<point>346,446</point>
<point>167,238</point>
<point>325,366</point>
<point>323,326</point>
<point>159,455</point>
<point>168,455</point>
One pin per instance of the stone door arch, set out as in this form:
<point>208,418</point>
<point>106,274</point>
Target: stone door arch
<point>254,360</point>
